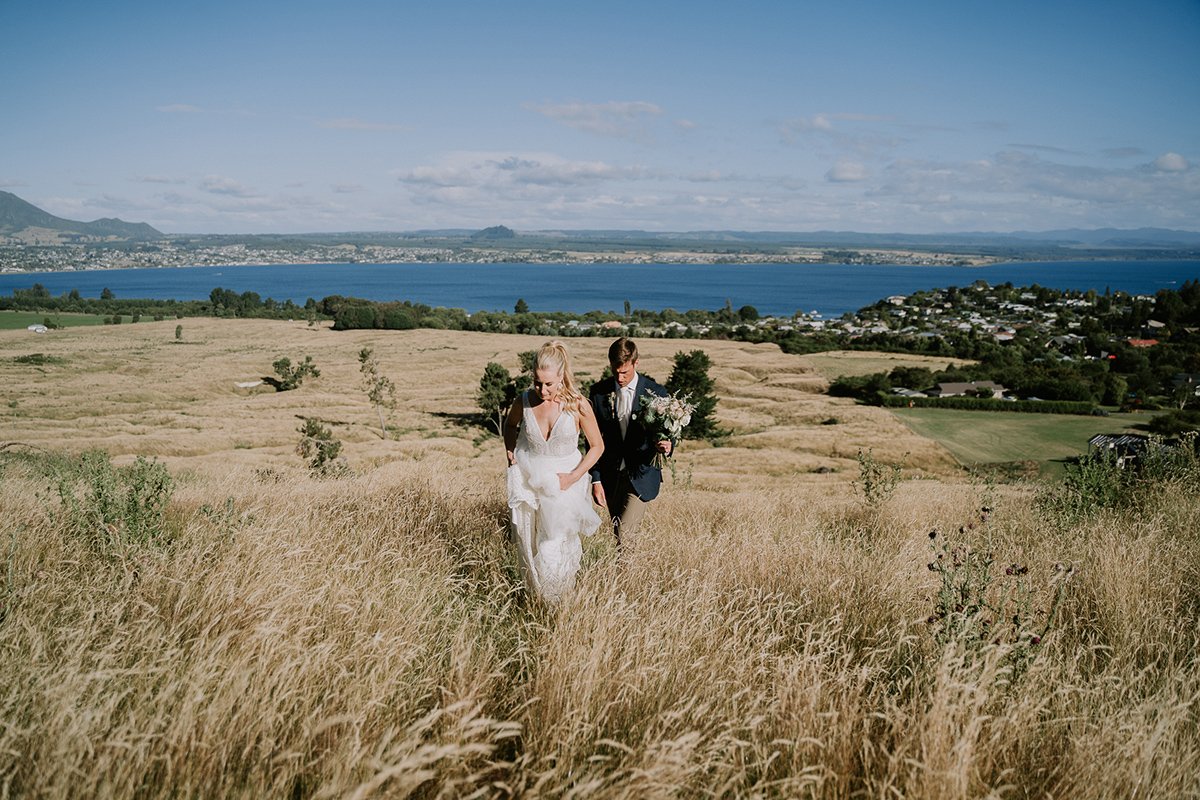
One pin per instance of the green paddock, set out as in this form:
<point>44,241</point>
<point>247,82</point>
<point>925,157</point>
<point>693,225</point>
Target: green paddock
<point>988,437</point>
<point>16,320</point>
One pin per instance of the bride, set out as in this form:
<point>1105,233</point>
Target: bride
<point>548,495</point>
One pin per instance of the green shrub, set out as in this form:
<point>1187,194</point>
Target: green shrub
<point>1102,479</point>
<point>876,482</point>
<point>111,506</point>
<point>39,359</point>
<point>291,376</point>
<point>320,450</point>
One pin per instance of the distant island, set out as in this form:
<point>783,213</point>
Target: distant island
<point>33,240</point>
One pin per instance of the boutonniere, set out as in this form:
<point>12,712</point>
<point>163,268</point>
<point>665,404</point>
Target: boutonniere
<point>612,403</point>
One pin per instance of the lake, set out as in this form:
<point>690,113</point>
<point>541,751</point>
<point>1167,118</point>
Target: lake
<point>774,289</point>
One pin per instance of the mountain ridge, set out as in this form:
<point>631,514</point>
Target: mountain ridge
<point>18,216</point>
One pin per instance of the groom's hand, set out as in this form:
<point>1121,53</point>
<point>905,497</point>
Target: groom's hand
<point>598,493</point>
<point>664,447</point>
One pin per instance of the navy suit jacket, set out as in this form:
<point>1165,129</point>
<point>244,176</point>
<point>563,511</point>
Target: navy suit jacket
<point>635,448</point>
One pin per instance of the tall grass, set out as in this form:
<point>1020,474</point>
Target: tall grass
<point>369,637</point>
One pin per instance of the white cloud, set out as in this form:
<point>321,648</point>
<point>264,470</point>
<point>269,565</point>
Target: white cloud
<point>844,132</point>
<point>158,179</point>
<point>348,188</point>
<point>620,119</point>
<point>819,122</point>
<point>1020,190</point>
<point>219,184</point>
<point>495,171</point>
<point>846,172</point>
<point>1171,162</point>
<point>355,124</point>
<point>179,108</point>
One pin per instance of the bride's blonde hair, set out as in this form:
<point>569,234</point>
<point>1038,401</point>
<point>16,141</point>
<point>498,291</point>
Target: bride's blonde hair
<point>553,356</point>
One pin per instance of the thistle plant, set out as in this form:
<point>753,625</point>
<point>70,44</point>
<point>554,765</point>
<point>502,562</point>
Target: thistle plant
<point>876,482</point>
<point>976,605</point>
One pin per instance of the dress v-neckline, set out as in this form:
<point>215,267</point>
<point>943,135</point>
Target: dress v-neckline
<point>553,425</point>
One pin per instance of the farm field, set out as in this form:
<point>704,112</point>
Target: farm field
<point>987,437</point>
<point>19,320</point>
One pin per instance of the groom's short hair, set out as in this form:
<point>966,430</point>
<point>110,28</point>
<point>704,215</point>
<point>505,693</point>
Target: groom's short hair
<point>622,351</point>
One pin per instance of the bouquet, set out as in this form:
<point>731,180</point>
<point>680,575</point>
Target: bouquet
<point>665,418</point>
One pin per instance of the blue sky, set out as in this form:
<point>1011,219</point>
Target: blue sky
<point>296,116</point>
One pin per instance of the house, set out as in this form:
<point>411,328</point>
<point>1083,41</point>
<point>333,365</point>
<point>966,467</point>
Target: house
<point>1068,340</point>
<point>954,389</point>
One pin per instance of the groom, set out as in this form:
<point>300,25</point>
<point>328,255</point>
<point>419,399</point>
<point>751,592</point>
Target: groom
<point>625,479</point>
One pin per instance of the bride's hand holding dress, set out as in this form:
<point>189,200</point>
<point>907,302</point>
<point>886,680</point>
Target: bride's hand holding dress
<point>551,507</point>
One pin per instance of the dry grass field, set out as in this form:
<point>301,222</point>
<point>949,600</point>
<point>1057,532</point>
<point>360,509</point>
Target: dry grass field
<point>133,390</point>
<point>853,363</point>
<point>768,634</point>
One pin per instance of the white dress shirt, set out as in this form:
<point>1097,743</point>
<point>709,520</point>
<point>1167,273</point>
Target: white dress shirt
<point>625,397</point>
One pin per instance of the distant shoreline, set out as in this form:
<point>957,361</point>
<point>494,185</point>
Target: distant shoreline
<point>959,263</point>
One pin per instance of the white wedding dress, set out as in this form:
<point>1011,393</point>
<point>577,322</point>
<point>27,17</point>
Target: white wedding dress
<point>547,521</point>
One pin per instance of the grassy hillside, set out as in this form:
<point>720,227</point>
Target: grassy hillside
<point>135,390</point>
<point>243,629</point>
<point>853,363</point>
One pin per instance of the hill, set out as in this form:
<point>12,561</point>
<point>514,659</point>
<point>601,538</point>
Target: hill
<point>22,220</point>
<point>233,626</point>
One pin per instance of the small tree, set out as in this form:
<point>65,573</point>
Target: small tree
<point>497,391</point>
<point>291,376</point>
<point>319,449</point>
<point>689,378</point>
<point>521,307</point>
<point>528,359</point>
<point>380,389</point>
